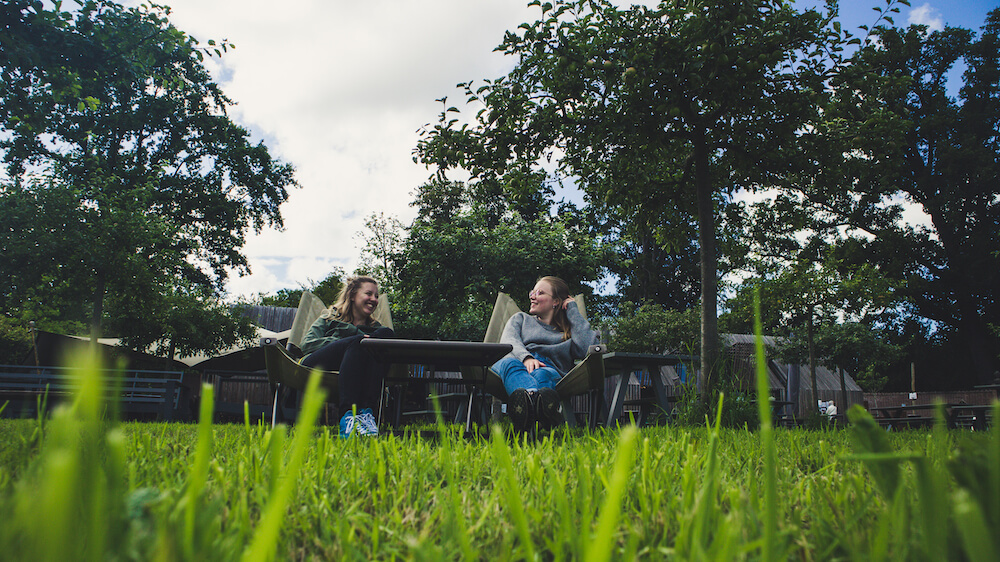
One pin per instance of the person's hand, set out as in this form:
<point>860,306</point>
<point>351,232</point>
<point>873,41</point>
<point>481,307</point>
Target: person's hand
<point>530,363</point>
<point>566,302</point>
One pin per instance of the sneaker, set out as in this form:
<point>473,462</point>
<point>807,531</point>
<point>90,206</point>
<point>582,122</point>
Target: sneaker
<point>521,410</point>
<point>366,423</point>
<point>547,408</point>
<point>347,425</point>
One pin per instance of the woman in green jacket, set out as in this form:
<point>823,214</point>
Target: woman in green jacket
<point>332,345</point>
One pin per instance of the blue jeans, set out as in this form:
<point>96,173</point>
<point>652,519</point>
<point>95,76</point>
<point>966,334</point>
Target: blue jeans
<point>515,375</point>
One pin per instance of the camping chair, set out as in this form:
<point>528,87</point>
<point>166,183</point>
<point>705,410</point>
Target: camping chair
<point>283,364</point>
<point>586,377</point>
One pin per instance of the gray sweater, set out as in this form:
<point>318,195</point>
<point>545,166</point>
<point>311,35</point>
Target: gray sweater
<point>532,338</point>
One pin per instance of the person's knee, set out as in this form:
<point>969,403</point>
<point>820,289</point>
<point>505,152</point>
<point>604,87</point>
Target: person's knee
<point>547,377</point>
<point>506,366</point>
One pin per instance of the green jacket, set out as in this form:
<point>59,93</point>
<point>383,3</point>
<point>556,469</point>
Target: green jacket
<point>326,330</point>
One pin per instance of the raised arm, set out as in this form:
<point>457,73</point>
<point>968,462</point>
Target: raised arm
<point>580,332</point>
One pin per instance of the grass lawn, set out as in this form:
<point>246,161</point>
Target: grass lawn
<point>78,487</point>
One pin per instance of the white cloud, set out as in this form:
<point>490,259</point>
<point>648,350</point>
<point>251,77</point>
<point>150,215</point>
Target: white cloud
<point>926,15</point>
<point>338,88</point>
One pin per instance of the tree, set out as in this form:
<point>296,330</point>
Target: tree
<point>113,107</point>
<point>453,264</point>
<point>327,290</point>
<point>893,134</point>
<point>651,328</point>
<point>851,346</point>
<point>667,110</point>
<point>383,239</point>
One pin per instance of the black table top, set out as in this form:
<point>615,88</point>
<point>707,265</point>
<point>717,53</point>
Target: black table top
<point>616,359</point>
<point>910,407</point>
<point>435,352</point>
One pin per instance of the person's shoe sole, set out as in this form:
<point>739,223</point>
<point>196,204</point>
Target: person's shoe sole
<point>548,413</point>
<point>520,410</point>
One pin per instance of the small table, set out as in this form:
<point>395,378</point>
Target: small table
<point>778,415</point>
<point>900,414</point>
<point>624,363</point>
<point>974,413</point>
<point>447,354</point>
<point>995,387</point>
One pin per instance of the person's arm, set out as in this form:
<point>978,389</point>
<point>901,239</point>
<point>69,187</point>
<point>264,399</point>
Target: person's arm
<point>324,331</point>
<point>512,335</point>
<point>316,337</point>
<point>580,333</point>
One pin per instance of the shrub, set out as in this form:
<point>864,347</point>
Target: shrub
<point>651,328</point>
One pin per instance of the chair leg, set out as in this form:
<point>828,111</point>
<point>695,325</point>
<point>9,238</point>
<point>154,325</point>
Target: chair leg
<point>569,413</point>
<point>381,403</point>
<point>468,413</point>
<point>274,405</point>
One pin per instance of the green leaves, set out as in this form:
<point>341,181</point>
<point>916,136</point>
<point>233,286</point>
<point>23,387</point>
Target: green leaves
<point>157,186</point>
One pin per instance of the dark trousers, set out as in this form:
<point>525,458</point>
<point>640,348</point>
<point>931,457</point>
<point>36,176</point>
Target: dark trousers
<point>361,376</point>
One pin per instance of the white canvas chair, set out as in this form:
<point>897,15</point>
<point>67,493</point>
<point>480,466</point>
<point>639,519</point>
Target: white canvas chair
<point>283,364</point>
<point>586,377</point>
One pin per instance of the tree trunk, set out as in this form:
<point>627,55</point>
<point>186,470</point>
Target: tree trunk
<point>709,267</point>
<point>843,391</point>
<point>976,338</point>
<point>814,405</point>
<point>170,355</point>
<point>98,312</point>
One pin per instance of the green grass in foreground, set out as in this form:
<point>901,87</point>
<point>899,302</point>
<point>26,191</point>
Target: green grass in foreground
<point>77,487</point>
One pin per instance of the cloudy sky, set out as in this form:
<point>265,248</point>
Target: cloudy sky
<point>339,88</point>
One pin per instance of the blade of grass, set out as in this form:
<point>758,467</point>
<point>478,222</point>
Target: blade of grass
<point>264,543</point>
<point>509,486</point>
<point>601,548</point>
<point>769,550</point>
<point>199,469</point>
<point>977,538</point>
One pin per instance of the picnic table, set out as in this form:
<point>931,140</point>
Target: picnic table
<point>442,355</point>
<point>625,363</point>
<point>972,416</point>
<point>778,415</point>
<point>995,387</point>
<point>905,415</point>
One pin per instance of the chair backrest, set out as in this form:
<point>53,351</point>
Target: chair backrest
<point>505,307</point>
<point>311,307</point>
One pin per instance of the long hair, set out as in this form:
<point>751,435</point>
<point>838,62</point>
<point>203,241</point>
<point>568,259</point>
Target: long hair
<point>560,292</point>
<point>342,309</point>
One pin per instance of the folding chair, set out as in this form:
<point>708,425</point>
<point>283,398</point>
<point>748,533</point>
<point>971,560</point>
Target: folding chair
<point>586,377</point>
<point>284,370</point>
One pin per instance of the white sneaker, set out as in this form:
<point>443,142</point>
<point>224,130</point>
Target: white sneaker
<point>347,423</point>
<point>366,424</point>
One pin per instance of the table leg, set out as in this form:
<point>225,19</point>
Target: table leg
<point>659,388</point>
<point>618,399</point>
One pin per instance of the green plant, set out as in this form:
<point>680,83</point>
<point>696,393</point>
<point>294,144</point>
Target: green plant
<point>956,505</point>
<point>651,328</point>
<point>15,341</point>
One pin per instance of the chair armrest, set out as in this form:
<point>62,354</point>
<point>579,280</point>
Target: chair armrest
<point>587,375</point>
<point>292,349</point>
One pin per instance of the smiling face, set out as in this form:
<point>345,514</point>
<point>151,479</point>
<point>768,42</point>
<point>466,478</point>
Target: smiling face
<point>543,302</point>
<point>363,302</point>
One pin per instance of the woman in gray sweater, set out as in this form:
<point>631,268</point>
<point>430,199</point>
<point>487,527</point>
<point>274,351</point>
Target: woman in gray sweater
<point>546,341</point>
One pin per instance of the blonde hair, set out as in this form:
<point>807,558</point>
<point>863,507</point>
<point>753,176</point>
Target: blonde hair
<point>560,292</point>
<point>342,309</point>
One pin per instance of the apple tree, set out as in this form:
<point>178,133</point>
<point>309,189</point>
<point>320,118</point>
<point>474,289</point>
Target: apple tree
<point>658,114</point>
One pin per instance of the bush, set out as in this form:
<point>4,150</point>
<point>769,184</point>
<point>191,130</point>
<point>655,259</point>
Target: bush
<point>651,328</point>
<point>15,341</point>
<point>738,408</point>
